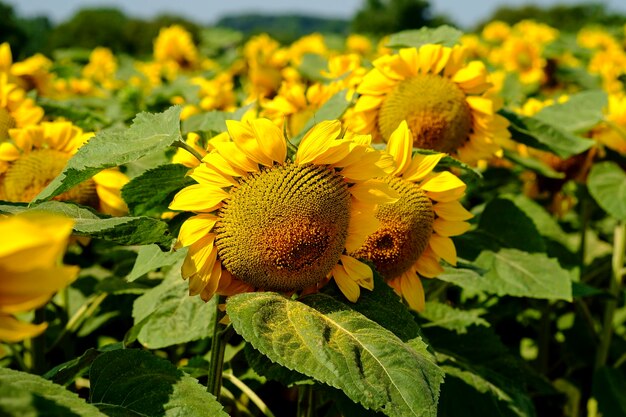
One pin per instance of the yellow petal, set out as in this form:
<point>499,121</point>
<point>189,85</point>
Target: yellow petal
<point>376,83</point>
<point>235,157</point>
<point>348,287</point>
<point>13,330</point>
<point>374,191</point>
<point>198,197</point>
<point>443,181</point>
<point>452,210</point>
<point>400,147</point>
<point>205,174</point>
<point>216,161</point>
<point>413,291</point>
<point>481,104</point>
<point>428,264</point>
<point>247,141</point>
<point>444,248</point>
<point>317,140</point>
<point>421,166</point>
<point>271,139</point>
<point>358,271</point>
<point>199,281</point>
<point>195,228</point>
<point>449,228</point>
<point>200,252</point>
<point>362,224</point>
<point>9,152</point>
<point>368,102</point>
<point>473,79</point>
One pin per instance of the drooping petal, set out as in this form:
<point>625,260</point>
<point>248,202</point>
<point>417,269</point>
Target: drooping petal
<point>452,210</point>
<point>428,264</point>
<point>195,228</point>
<point>13,330</point>
<point>450,228</point>
<point>348,287</point>
<point>413,291</point>
<point>358,271</point>
<point>444,248</point>
<point>400,147</point>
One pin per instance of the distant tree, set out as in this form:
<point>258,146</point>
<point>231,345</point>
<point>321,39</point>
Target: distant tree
<point>568,18</point>
<point>10,29</point>
<point>382,17</point>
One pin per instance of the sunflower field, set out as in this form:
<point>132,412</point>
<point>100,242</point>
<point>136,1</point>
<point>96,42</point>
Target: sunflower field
<point>431,223</point>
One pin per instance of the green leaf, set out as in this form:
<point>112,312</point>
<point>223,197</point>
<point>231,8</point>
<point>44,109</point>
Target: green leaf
<point>609,386</point>
<point>444,35</point>
<point>151,192</point>
<point>579,113</point>
<point>607,185</point>
<point>166,315</point>
<point>510,226</point>
<point>448,317</point>
<point>543,135</point>
<point>23,394</point>
<point>151,257</point>
<point>333,109</point>
<point>516,273</point>
<point>149,133</point>
<point>312,66</point>
<point>533,164</point>
<point>67,372</point>
<point>135,382</point>
<point>213,121</point>
<point>263,366</point>
<point>122,230</point>
<point>334,344</point>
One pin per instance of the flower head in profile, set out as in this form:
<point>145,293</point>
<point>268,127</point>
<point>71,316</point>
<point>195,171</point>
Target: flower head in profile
<point>31,248</point>
<point>37,154</point>
<point>444,101</point>
<point>265,221</point>
<point>414,232</point>
<point>16,110</point>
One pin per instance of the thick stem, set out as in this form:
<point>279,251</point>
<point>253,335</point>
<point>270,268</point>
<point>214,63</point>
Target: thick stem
<point>183,145</point>
<point>218,347</point>
<point>619,248</point>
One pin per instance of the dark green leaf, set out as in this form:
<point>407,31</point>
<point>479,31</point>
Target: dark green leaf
<point>451,318</point>
<point>150,257</point>
<point>539,134</point>
<point>333,109</point>
<point>533,164</point>
<point>609,388</point>
<point>151,192</point>
<point>67,372</point>
<point>607,185</point>
<point>149,133</point>
<point>135,382</point>
<point>340,347</point>
<point>510,226</point>
<point>166,315</point>
<point>516,273</point>
<point>23,394</point>
<point>444,35</point>
<point>263,366</point>
<point>579,113</point>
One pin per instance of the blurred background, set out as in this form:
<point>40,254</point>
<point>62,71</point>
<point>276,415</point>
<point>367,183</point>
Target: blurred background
<point>32,26</point>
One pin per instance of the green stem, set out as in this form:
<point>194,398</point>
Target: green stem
<point>250,393</point>
<point>183,145</point>
<point>619,248</point>
<point>18,356</point>
<point>585,213</point>
<point>218,347</point>
<point>38,346</point>
<point>74,323</point>
<point>545,335</point>
<point>305,401</point>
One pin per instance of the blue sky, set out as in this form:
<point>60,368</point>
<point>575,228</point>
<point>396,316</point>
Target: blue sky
<point>465,12</point>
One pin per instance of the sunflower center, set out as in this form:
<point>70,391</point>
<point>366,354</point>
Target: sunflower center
<point>30,174</point>
<point>434,108</point>
<point>6,122</point>
<point>405,229</point>
<point>285,228</point>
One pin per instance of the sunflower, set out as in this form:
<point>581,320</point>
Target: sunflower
<point>266,222</point>
<point>16,110</point>
<point>37,154</point>
<point>174,45</point>
<point>414,232</point>
<point>612,133</point>
<point>444,102</point>
<point>31,247</point>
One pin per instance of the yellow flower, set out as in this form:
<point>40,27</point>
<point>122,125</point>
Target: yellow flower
<point>265,61</point>
<point>101,67</point>
<point>31,248</point>
<point>520,55</point>
<point>33,73</point>
<point>414,232</point>
<point>309,44</point>
<point>496,31</point>
<point>175,45</point>
<point>37,154</point>
<point>266,222</point>
<point>16,110</point>
<point>359,44</point>
<point>613,132</point>
<point>443,100</point>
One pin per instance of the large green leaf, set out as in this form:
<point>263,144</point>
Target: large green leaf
<point>122,230</point>
<point>23,394</point>
<point>333,109</point>
<point>609,388</point>
<point>151,257</point>
<point>544,135</point>
<point>213,121</point>
<point>149,133</point>
<point>607,185</point>
<point>166,315</point>
<point>516,273</point>
<point>510,226</point>
<point>151,192</point>
<point>448,317</point>
<point>445,35</point>
<point>579,113</point>
<point>135,382</point>
<point>334,344</point>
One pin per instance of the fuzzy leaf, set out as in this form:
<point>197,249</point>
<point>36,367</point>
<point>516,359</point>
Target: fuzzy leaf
<point>444,35</point>
<point>334,344</point>
<point>149,133</point>
<point>579,113</point>
<point>607,185</point>
<point>451,318</point>
<point>151,257</point>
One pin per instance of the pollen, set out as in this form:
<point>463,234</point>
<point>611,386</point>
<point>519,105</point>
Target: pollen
<point>435,109</point>
<point>30,174</point>
<point>405,230</point>
<point>284,228</point>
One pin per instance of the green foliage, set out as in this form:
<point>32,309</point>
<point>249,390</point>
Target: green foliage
<point>150,257</point>
<point>579,113</point>
<point>381,17</point>
<point>448,317</point>
<point>609,385</point>
<point>148,134</point>
<point>134,382</point>
<point>444,35</point>
<point>607,185</point>
<point>333,109</point>
<point>336,345</point>
<point>23,394</point>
